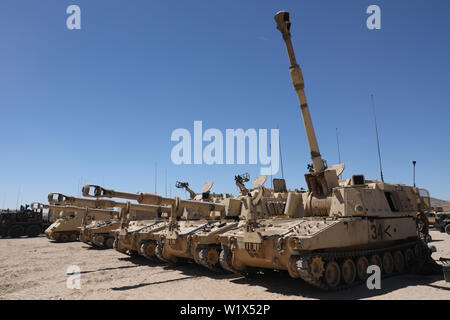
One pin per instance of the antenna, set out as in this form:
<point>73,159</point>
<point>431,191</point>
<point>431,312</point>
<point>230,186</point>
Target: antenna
<point>339,151</point>
<point>18,197</point>
<point>378,140</point>
<point>338,148</point>
<point>156,174</point>
<point>166,182</point>
<point>4,200</point>
<point>414,172</point>
<point>271,176</point>
<point>281,155</point>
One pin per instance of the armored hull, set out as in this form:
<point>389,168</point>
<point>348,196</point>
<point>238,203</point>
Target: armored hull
<point>290,244</point>
<point>195,240</point>
<point>68,227</point>
<point>63,230</point>
<point>137,237</point>
<point>100,233</point>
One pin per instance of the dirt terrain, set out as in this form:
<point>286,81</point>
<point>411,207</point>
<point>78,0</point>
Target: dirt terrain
<point>36,269</point>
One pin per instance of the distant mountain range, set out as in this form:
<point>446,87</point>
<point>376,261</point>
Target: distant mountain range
<point>438,202</point>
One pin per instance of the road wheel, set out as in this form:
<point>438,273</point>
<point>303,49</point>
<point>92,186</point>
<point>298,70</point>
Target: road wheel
<point>64,238</point>
<point>118,246</point>
<point>98,240</point>
<point>225,259</point>
<point>399,261</point>
<point>16,231</point>
<point>447,229</point>
<point>409,258</point>
<point>197,256</point>
<point>147,249</point>
<point>33,230</point>
<point>376,260</point>
<point>73,237</point>
<point>388,263</point>
<point>209,257</point>
<point>418,251</point>
<point>348,270</point>
<point>109,242</point>
<point>159,252</point>
<point>332,274</point>
<point>361,267</point>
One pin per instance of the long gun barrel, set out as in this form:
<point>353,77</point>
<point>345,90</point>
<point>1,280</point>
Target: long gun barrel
<point>37,205</point>
<point>95,191</point>
<point>283,24</point>
<point>61,199</point>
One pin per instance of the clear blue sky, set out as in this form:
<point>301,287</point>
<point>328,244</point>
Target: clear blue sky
<point>98,105</point>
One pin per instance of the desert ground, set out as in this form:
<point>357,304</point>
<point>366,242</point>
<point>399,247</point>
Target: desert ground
<point>35,268</point>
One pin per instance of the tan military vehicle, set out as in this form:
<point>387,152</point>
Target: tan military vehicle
<point>331,233</point>
<point>143,236</point>
<point>103,233</point>
<point>67,227</point>
<point>194,235</point>
<point>98,233</point>
<point>197,238</point>
<point>135,233</point>
<point>135,227</point>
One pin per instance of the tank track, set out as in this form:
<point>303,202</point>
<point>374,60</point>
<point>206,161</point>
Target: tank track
<point>225,260</point>
<point>159,253</point>
<point>106,243</point>
<point>422,263</point>
<point>115,246</point>
<point>66,236</point>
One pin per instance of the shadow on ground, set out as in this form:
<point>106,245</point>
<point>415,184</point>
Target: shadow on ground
<point>282,283</point>
<point>278,282</point>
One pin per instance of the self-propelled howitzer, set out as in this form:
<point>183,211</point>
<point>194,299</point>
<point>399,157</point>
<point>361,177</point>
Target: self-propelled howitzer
<point>149,239</point>
<point>68,226</point>
<point>102,233</point>
<point>331,233</point>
